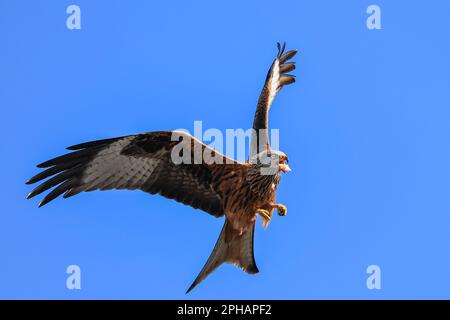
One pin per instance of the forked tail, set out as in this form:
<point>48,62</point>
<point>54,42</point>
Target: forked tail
<point>231,247</point>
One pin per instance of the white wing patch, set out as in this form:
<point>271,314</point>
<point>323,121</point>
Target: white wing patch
<point>111,170</point>
<point>274,81</point>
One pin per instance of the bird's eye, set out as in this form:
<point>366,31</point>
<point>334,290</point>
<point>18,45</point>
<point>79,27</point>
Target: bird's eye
<point>269,154</point>
<point>283,159</point>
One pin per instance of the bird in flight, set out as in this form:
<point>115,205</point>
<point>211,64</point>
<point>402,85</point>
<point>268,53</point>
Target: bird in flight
<point>240,191</point>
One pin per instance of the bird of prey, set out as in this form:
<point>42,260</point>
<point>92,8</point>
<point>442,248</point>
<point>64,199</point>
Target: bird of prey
<point>240,191</point>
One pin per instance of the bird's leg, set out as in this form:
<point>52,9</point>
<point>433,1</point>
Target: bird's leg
<point>264,214</point>
<point>281,209</point>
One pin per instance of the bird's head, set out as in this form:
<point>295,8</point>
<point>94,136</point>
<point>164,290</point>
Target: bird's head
<point>272,160</point>
<point>283,161</point>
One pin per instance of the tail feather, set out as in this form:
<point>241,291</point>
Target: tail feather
<point>231,247</point>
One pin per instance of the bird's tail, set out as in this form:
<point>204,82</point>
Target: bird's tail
<point>231,247</point>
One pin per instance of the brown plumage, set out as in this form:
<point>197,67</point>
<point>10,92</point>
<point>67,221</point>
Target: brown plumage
<point>225,187</point>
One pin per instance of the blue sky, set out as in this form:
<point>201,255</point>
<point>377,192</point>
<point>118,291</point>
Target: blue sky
<point>366,128</point>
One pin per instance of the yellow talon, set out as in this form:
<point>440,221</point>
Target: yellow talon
<point>264,214</point>
<point>282,210</point>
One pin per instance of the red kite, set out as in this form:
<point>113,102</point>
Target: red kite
<point>237,190</point>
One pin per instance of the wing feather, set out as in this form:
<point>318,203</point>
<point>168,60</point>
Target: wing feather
<point>133,162</point>
<point>277,77</point>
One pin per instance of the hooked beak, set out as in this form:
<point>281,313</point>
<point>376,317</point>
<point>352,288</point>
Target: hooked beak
<point>284,167</point>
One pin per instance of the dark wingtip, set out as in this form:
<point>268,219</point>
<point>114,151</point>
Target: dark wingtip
<point>42,203</point>
<point>191,287</point>
<point>76,147</point>
<point>280,49</point>
<point>188,290</point>
<point>93,144</point>
<point>288,56</point>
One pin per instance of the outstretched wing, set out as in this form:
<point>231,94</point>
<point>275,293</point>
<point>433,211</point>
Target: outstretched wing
<point>142,161</point>
<point>277,77</point>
